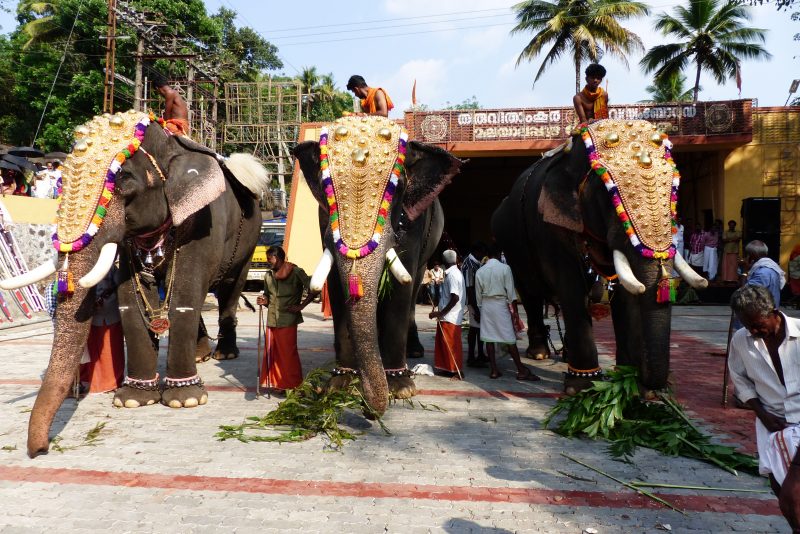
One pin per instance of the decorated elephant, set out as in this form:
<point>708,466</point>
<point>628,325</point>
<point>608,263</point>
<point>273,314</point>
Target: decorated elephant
<point>379,196</point>
<point>183,219</point>
<point>605,200</point>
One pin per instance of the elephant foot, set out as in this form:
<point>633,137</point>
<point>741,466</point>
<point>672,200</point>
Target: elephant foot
<point>203,351</point>
<point>226,353</point>
<point>134,395</point>
<point>537,353</point>
<point>401,387</point>
<point>338,383</point>
<point>184,392</point>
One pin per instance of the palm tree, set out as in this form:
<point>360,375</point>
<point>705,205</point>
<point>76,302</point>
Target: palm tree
<point>711,35</point>
<point>310,81</point>
<point>584,29</point>
<point>43,28</point>
<point>672,89</point>
<point>326,89</point>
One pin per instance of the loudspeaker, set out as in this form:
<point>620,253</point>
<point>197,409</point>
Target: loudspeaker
<point>761,220</point>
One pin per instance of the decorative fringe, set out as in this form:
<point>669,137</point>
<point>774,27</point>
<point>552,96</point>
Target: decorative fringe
<point>355,287</point>
<point>66,284</point>
<point>667,288</point>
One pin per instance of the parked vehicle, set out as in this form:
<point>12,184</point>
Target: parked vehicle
<point>273,232</point>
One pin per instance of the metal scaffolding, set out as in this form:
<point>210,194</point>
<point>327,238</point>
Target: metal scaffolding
<point>265,115</point>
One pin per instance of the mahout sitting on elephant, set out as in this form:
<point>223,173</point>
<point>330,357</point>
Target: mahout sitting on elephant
<point>608,195</point>
<point>378,193</point>
<point>183,218</point>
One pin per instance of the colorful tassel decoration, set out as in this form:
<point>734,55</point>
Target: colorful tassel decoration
<point>355,287</point>
<point>66,284</point>
<point>666,291</point>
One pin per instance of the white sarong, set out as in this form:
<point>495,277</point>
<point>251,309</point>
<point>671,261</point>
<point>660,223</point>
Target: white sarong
<point>710,262</point>
<point>776,449</point>
<point>496,323</point>
<point>696,260</point>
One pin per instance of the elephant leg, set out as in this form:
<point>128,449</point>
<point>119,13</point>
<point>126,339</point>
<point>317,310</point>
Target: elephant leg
<point>182,385</point>
<point>394,335</point>
<point>228,292</point>
<point>203,352</point>
<point>619,316</point>
<point>414,348</point>
<point>342,344</point>
<point>141,387</point>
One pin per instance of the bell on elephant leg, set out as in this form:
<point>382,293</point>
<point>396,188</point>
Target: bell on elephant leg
<point>148,259</point>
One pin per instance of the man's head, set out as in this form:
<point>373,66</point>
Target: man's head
<point>49,165</point>
<point>358,86</point>
<point>449,257</point>
<point>56,165</point>
<point>755,250</point>
<point>732,225</point>
<point>478,249</point>
<point>594,75</point>
<point>276,256</point>
<point>160,83</point>
<point>754,307</point>
<point>495,251</point>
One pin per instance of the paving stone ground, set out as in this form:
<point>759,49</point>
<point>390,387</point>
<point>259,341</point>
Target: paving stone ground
<point>481,464</point>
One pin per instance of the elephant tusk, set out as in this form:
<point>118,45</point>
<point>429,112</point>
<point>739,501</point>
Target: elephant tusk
<point>626,276</point>
<point>687,273</point>
<point>104,262</point>
<point>396,266</point>
<point>31,277</point>
<point>321,272</point>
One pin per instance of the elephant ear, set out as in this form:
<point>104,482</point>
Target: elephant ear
<point>429,169</point>
<point>563,170</point>
<point>194,181</point>
<point>308,155</point>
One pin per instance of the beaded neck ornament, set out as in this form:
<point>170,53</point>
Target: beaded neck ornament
<point>635,163</point>
<point>361,163</point>
<point>89,180</point>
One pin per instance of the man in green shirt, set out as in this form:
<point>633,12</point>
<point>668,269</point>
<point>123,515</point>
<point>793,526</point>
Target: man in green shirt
<point>284,285</point>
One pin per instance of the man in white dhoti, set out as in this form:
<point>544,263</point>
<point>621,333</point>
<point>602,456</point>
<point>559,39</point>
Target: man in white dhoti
<point>765,368</point>
<point>495,295</point>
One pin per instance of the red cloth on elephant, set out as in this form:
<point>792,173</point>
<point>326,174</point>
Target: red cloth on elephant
<point>283,364</point>
<point>327,312</point>
<point>448,354</point>
<point>106,367</point>
<point>177,126</point>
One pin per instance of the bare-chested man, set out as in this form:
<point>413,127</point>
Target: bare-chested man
<point>592,102</point>
<point>374,100</point>
<point>176,113</point>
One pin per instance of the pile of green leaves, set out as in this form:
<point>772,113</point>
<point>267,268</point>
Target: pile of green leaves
<point>614,410</point>
<point>308,410</point>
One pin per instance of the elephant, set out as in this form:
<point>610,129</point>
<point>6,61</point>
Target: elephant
<point>181,217</point>
<point>605,200</point>
<point>379,196</point>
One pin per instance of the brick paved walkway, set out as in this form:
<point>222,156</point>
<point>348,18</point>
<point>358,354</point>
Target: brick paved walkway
<point>483,465</point>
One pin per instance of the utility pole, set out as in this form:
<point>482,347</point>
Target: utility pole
<point>137,87</point>
<point>111,57</point>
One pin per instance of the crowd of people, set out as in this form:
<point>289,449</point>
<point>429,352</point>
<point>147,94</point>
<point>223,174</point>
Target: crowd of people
<point>44,182</point>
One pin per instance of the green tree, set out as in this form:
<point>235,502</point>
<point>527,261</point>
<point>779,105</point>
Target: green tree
<point>468,103</point>
<point>329,103</point>
<point>712,35</point>
<point>241,53</point>
<point>582,29</point>
<point>310,80</point>
<point>672,89</point>
<point>41,28</point>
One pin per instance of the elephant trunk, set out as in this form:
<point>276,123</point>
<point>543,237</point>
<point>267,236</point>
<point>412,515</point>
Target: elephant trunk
<point>363,327</point>
<point>72,323</point>
<point>648,326</point>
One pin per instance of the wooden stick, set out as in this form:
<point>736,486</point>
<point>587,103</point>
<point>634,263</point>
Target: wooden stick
<point>626,484</point>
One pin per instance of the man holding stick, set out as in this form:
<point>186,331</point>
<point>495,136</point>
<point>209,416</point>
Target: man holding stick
<point>448,353</point>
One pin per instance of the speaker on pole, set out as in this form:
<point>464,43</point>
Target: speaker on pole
<point>761,220</point>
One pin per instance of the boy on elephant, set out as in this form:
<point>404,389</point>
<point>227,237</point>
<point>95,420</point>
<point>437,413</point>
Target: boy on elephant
<point>765,368</point>
<point>176,112</point>
<point>591,103</point>
<point>374,100</point>
<point>284,285</point>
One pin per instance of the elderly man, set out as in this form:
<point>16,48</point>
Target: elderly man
<point>496,296</point>
<point>448,352</point>
<point>765,367</point>
<point>763,271</point>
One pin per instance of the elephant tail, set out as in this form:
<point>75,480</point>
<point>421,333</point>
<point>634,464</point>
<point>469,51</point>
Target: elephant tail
<point>249,172</point>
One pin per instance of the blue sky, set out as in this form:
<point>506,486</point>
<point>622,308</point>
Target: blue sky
<point>459,48</point>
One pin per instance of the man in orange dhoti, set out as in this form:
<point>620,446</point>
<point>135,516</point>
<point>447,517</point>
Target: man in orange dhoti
<point>448,353</point>
<point>104,369</point>
<point>592,102</point>
<point>284,284</point>
<point>374,100</point>
<point>176,112</point>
